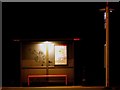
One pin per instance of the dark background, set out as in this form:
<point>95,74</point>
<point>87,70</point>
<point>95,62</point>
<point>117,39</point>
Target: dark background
<point>62,20</point>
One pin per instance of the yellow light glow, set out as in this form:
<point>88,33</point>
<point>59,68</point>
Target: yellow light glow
<point>46,45</point>
<point>47,42</point>
<point>43,48</point>
<point>50,47</point>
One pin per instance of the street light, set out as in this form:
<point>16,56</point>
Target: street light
<point>106,19</point>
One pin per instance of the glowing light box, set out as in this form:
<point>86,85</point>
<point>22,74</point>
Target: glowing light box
<point>61,55</point>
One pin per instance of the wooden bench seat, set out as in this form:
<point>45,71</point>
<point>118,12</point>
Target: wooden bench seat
<point>42,76</point>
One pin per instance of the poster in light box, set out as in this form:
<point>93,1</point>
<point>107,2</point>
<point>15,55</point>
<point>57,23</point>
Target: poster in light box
<point>61,55</point>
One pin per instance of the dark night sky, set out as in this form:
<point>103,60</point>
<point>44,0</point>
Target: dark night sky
<point>55,20</point>
<point>52,20</point>
<point>28,20</point>
<point>24,20</point>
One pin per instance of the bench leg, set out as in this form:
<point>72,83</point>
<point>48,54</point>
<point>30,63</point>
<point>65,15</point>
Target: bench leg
<point>66,80</point>
<point>28,81</point>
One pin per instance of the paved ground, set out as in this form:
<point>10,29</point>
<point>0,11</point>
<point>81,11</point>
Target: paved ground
<point>59,88</point>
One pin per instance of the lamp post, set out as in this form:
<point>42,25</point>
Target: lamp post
<point>107,10</point>
<point>107,45</point>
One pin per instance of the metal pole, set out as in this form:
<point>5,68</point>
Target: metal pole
<point>47,61</point>
<point>107,45</point>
